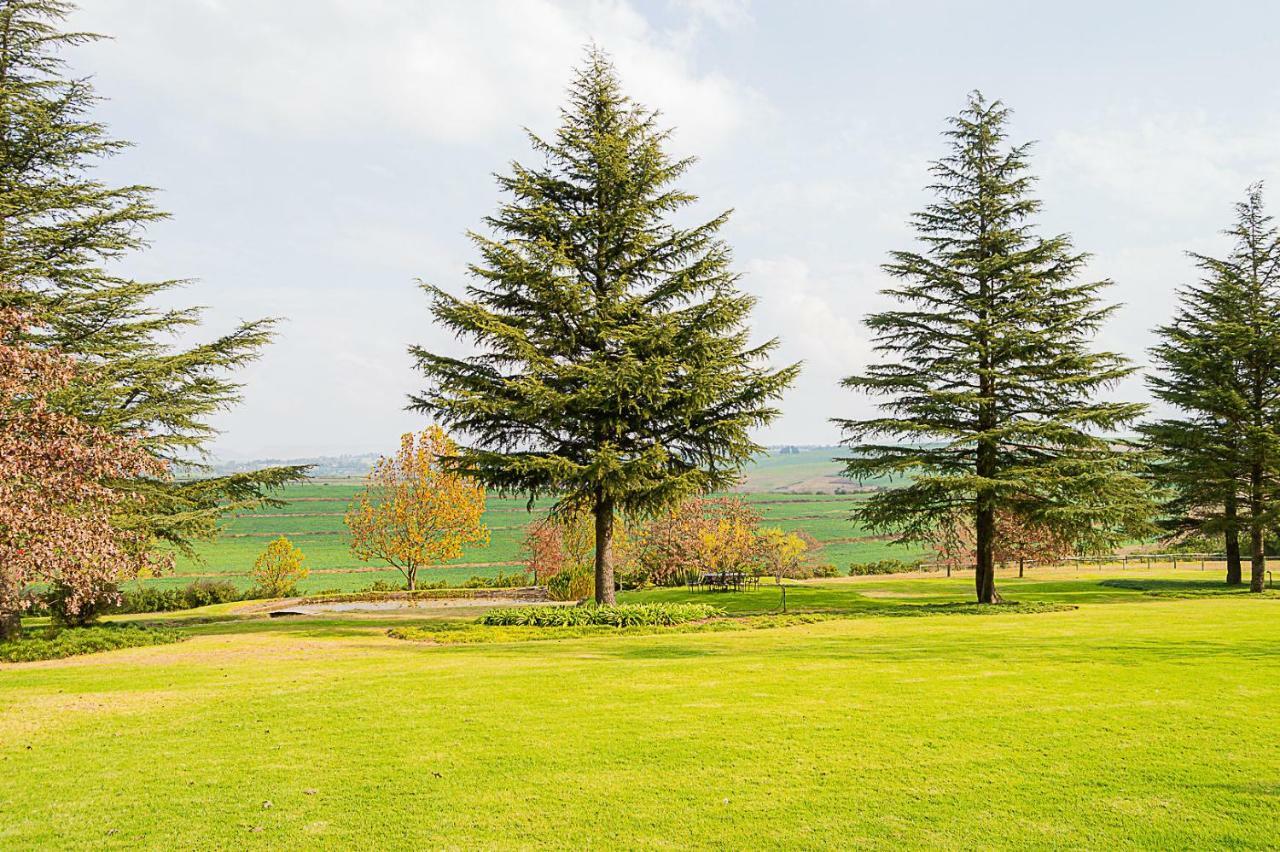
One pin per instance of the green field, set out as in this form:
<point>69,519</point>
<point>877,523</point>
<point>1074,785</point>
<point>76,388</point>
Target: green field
<point>312,519</point>
<point>1134,720</point>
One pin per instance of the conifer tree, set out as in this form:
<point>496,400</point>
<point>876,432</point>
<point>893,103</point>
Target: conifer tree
<point>62,232</point>
<point>613,371</point>
<point>1219,365</point>
<point>990,386</point>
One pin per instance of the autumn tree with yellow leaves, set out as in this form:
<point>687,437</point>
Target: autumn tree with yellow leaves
<point>414,513</point>
<point>278,569</point>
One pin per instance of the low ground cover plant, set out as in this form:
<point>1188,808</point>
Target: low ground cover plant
<point>621,615</point>
<point>84,640</point>
<point>446,633</point>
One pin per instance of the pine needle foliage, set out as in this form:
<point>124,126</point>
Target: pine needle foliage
<point>613,369</point>
<point>991,392</point>
<point>63,232</point>
<point>1218,364</point>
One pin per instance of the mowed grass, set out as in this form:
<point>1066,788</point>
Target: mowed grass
<point>1133,720</point>
<point>313,520</point>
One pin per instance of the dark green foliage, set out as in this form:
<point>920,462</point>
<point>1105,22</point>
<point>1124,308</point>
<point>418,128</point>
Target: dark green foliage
<point>826,570</point>
<point>884,566</point>
<point>209,592</point>
<point>614,371</point>
<point>84,640</point>
<point>501,580</point>
<point>991,391</point>
<point>63,231</point>
<point>1218,364</point>
<point>623,615</point>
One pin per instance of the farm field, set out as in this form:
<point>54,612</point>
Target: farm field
<point>1125,721</point>
<point>313,520</point>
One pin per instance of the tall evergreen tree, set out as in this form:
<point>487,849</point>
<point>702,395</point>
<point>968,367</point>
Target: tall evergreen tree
<point>62,232</point>
<point>613,371</point>
<point>1219,365</point>
<point>990,386</point>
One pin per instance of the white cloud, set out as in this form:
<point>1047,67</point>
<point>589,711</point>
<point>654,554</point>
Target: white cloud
<point>1165,167</point>
<point>818,319</point>
<point>455,72</point>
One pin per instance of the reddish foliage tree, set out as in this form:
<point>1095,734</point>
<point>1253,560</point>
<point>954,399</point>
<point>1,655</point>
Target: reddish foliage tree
<point>544,543</point>
<point>1017,539</point>
<point>566,541</point>
<point>57,494</point>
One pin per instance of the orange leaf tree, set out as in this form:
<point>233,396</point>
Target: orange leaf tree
<point>413,512</point>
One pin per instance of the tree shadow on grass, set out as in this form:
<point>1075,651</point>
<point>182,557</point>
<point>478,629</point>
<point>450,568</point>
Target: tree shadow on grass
<point>1153,584</point>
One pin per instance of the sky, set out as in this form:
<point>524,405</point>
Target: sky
<point>320,157</point>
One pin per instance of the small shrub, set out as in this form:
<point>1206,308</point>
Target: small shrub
<point>103,601</point>
<point>622,615</point>
<point>384,586</point>
<point>499,581</point>
<point>826,570</point>
<point>198,593</point>
<point>571,585</point>
<point>631,577</point>
<point>278,569</point>
<point>208,592</point>
<point>153,599</point>
<point>84,640</point>
<point>883,566</point>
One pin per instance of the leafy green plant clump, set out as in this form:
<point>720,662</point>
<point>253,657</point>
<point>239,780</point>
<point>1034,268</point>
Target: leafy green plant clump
<point>85,640</point>
<point>621,615</point>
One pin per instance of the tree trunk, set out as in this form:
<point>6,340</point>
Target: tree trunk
<point>604,550</point>
<point>1257,505</point>
<point>411,578</point>
<point>984,575</point>
<point>1234,574</point>
<point>10,626</point>
<point>1021,563</point>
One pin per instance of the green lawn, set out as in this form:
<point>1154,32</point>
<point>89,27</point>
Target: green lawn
<point>1133,720</point>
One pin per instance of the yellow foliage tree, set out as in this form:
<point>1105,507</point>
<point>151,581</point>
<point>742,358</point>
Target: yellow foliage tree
<point>413,513</point>
<point>729,542</point>
<point>780,552</point>
<point>278,569</point>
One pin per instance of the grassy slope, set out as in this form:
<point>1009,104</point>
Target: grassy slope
<point>1125,722</point>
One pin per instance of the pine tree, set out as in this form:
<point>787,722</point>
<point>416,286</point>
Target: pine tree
<point>62,232</point>
<point>989,384</point>
<point>1219,363</point>
<point>613,371</point>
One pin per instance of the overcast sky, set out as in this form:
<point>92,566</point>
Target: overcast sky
<point>318,156</point>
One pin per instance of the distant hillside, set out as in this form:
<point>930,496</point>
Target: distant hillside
<point>796,470</point>
<point>322,466</point>
<point>803,470</point>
